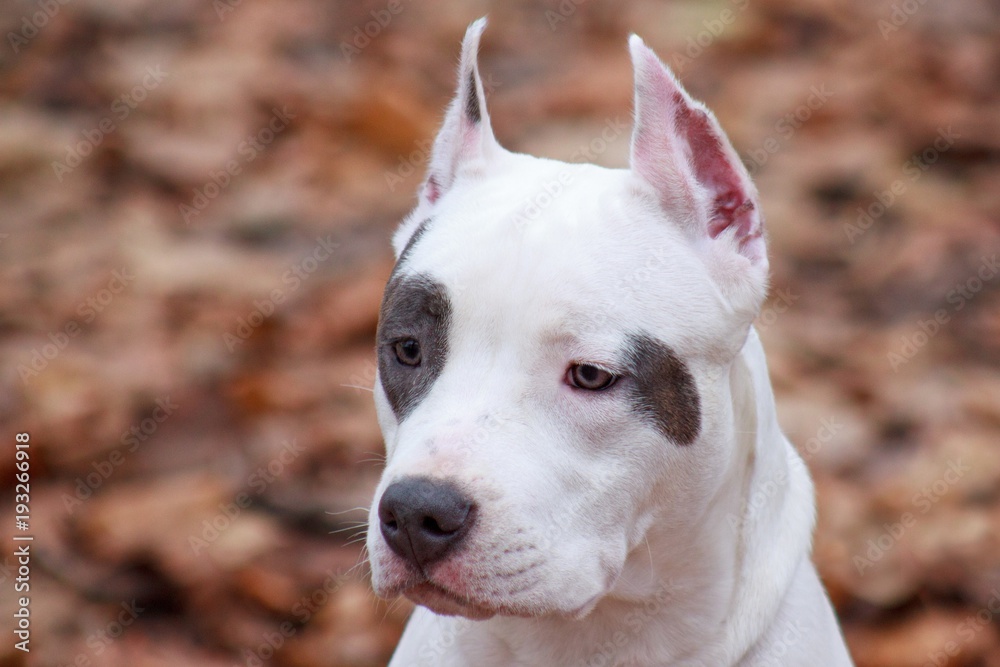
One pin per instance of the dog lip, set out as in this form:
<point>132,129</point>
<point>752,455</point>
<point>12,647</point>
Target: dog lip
<point>396,584</point>
<point>440,600</point>
<point>389,592</point>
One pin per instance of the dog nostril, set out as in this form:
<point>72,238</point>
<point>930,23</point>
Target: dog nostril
<point>433,527</point>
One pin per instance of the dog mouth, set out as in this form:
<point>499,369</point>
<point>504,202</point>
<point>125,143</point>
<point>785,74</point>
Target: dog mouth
<point>442,601</point>
<point>449,593</point>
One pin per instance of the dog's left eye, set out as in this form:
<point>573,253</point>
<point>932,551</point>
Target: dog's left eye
<point>407,351</point>
<point>590,377</point>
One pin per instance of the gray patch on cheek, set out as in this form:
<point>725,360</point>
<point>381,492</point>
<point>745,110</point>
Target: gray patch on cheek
<point>664,392</point>
<point>414,306</point>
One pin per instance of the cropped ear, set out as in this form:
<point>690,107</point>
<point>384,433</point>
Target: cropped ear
<point>465,139</point>
<point>466,134</point>
<point>679,148</point>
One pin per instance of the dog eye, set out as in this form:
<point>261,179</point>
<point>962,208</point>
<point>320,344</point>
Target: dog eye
<point>590,377</point>
<point>407,351</point>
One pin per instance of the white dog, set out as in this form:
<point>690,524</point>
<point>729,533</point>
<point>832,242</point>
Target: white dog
<point>584,465</point>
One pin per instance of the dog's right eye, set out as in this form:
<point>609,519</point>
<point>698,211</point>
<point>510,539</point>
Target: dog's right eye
<point>590,377</point>
<point>407,352</point>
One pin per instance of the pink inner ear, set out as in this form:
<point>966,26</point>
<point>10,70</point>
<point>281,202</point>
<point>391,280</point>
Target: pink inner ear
<point>731,203</point>
<point>432,190</point>
<point>731,215</point>
<point>469,143</point>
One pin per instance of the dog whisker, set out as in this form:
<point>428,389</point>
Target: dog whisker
<point>358,386</point>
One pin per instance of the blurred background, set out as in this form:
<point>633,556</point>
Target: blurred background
<point>196,200</point>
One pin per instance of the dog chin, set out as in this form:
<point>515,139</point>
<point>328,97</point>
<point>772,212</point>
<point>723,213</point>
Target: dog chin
<point>393,579</point>
<point>445,603</point>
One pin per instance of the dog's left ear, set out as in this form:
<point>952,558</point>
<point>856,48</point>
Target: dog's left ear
<point>465,140</point>
<point>679,148</point>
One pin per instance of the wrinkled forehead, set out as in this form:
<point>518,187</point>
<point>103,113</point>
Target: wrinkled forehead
<point>577,246</point>
<point>664,392</point>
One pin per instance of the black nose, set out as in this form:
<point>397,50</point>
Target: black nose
<point>422,519</point>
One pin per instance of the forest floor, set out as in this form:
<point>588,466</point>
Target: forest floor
<point>197,200</point>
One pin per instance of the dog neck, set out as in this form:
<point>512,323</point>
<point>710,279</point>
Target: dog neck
<point>708,597</point>
<point>775,515</point>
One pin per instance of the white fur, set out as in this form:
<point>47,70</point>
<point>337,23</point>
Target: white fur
<point>598,541</point>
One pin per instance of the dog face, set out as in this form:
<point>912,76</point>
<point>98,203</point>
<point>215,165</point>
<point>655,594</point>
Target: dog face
<point>553,351</point>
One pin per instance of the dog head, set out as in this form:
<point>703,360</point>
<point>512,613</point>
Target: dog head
<point>553,354</point>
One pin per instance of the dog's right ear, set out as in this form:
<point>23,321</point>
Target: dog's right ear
<point>464,142</point>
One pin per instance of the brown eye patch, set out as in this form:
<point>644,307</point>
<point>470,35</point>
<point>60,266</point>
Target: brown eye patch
<point>412,339</point>
<point>663,390</point>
